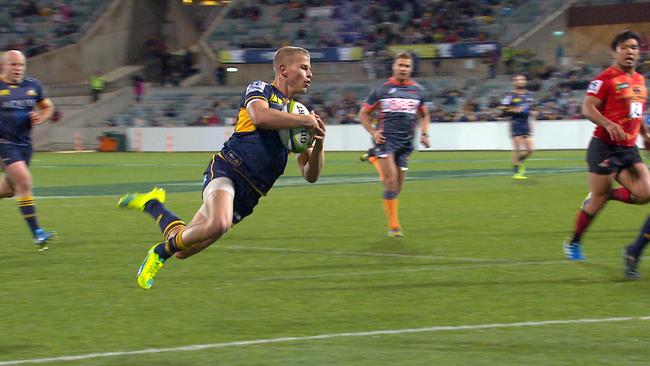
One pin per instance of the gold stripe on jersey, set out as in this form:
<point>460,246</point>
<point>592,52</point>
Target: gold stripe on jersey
<point>244,120</point>
<point>212,166</point>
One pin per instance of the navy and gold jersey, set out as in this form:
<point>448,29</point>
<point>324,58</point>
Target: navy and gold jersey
<point>513,100</point>
<point>16,101</point>
<point>398,104</point>
<point>256,153</point>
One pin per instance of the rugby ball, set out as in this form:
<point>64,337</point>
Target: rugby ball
<point>296,139</point>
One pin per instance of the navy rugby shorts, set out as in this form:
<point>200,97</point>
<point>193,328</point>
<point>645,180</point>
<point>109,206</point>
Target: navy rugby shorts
<point>246,197</point>
<point>10,154</point>
<point>399,149</point>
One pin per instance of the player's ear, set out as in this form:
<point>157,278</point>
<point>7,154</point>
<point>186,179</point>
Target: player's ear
<point>283,71</point>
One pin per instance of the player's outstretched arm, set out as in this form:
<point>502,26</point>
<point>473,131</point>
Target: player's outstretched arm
<point>311,161</point>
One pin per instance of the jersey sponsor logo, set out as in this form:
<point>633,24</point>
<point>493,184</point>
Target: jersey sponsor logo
<point>400,105</point>
<point>31,92</point>
<point>275,99</point>
<point>18,104</point>
<point>5,92</point>
<point>594,86</point>
<point>621,86</point>
<point>256,86</point>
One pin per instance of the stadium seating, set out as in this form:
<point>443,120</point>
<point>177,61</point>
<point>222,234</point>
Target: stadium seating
<point>366,23</point>
<point>36,27</point>
<point>188,106</point>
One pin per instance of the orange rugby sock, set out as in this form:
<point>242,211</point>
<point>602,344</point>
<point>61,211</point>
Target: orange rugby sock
<point>374,161</point>
<point>390,209</point>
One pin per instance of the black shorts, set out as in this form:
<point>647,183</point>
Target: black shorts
<point>520,129</point>
<point>400,150</point>
<point>605,159</point>
<point>246,197</point>
<point>10,154</point>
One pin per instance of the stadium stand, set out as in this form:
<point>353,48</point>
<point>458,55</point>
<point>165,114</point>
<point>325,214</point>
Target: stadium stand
<point>455,96</point>
<point>452,100</point>
<point>35,27</point>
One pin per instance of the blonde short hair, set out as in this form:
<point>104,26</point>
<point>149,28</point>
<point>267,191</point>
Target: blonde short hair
<point>283,53</point>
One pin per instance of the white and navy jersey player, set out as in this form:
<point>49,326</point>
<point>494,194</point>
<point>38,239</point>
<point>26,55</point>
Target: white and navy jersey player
<point>399,104</point>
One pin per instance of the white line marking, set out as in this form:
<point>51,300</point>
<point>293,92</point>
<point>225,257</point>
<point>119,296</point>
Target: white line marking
<point>410,270</point>
<point>199,347</point>
<point>355,254</point>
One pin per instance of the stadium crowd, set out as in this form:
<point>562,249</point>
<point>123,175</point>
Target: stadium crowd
<point>37,26</point>
<point>372,24</point>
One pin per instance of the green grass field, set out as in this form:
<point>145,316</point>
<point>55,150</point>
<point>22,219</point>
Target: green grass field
<point>311,279</point>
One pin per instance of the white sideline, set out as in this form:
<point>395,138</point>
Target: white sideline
<point>198,347</point>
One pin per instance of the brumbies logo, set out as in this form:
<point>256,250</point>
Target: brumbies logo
<point>31,92</point>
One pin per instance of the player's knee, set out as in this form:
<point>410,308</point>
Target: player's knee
<point>641,197</point>
<point>390,182</point>
<point>22,188</point>
<point>218,227</point>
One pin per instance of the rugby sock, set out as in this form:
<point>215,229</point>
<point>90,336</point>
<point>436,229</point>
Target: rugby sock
<point>165,219</point>
<point>583,220</point>
<point>621,194</point>
<point>641,241</point>
<point>375,161</point>
<point>171,246</point>
<point>26,206</point>
<point>515,168</point>
<point>390,209</point>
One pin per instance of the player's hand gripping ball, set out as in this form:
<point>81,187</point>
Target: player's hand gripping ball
<point>297,139</point>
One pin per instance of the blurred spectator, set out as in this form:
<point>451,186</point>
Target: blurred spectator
<point>220,75</point>
<point>97,84</point>
<point>169,111</point>
<point>138,87</point>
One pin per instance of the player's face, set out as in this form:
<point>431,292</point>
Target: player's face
<point>299,73</point>
<point>627,53</point>
<point>13,68</point>
<point>402,68</point>
<point>519,82</point>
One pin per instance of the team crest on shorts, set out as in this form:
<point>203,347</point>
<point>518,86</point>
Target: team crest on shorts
<point>604,163</point>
